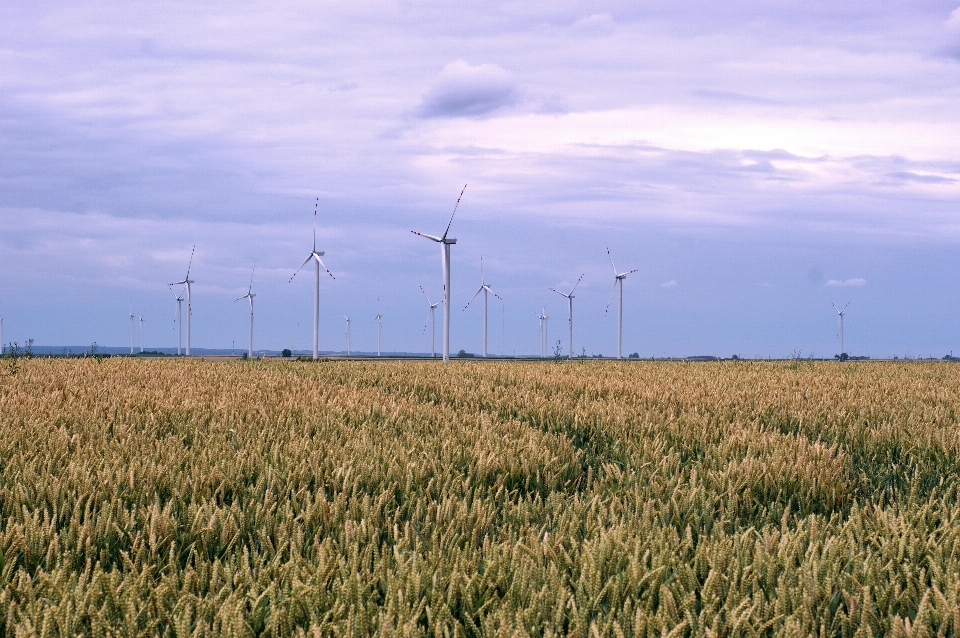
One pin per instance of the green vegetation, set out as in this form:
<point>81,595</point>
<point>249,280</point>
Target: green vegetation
<point>185,498</point>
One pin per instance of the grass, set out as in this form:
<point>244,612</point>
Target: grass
<point>187,498</point>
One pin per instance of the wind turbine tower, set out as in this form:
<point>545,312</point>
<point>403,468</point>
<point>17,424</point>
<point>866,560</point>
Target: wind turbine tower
<point>840,314</point>
<point>618,278</point>
<point>433,323</point>
<point>315,256</point>
<point>484,288</point>
<point>445,244</point>
<point>377,319</point>
<point>141,334</point>
<point>348,334</point>
<point>187,282</point>
<point>569,296</point>
<point>250,295</point>
<point>131,329</point>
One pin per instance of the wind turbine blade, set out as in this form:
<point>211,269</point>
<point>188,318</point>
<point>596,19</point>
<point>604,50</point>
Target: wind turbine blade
<point>479,290</point>
<point>610,296</point>
<point>430,237</point>
<point>562,294</point>
<point>490,290</point>
<point>320,261</point>
<point>251,277</point>
<point>315,224</point>
<point>577,284</point>
<point>190,265</point>
<point>305,262</point>
<point>610,257</point>
<point>454,213</point>
<point>429,303</point>
<point>629,272</point>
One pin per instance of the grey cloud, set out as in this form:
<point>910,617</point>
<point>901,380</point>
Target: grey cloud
<point>907,176</point>
<point>464,90</point>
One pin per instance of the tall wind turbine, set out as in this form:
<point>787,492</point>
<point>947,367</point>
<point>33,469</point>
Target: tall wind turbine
<point>250,295</point>
<point>132,318</point>
<point>445,244</point>
<point>141,334</point>
<point>484,288</point>
<point>377,319</point>
<point>348,334</point>
<point>569,296</point>
<point>433,323</point>
<point>618,278</point>
<point>543,332</point>
<point>840,314</point>
<point>179,299</point>
<point>186,282</point>
<point>315,256</point>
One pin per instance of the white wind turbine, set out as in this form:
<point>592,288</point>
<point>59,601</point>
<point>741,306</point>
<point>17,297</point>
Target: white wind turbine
<point>132,319</point>
<point>433,323</point>
<point>484,288</point>
<point>378,320</point>
<point>840,314</point>
<point>186,282</point>
<point>618,279</point>
<point>250,295</point>
<point>569,296</point>
<point>315,256</point>
<point>179,299</point>
<point>445,244</point>
<point>141,334</point>
<point>348,333</point>
<point>543,332</point>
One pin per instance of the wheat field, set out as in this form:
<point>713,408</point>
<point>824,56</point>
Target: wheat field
<point>191,498</point>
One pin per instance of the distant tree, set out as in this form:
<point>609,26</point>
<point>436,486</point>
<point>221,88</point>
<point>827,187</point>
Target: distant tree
<point>286,353</point>
<point>635,355</point>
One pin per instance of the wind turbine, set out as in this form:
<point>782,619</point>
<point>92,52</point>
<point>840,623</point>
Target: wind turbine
<point>1,336</point>
<point>484,288</point>
<point>543,332</point>
<point>186,282</point>
<point>348,334</point>
<point>840,314</point>
<point>618,279</point>
<point>141,334</point>
<point>445,244</point>
<point>314,255</point>
<point>132,317</point>
<point>569,296</point>
<point>250,295</point>
<point>377,319</point>
<point>179,299</point>
<point>433,323</point>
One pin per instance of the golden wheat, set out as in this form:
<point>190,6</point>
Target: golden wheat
<point>188,498</point>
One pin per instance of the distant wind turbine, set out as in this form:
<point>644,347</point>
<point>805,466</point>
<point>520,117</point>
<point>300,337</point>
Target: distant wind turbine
<point>569,296</point>
<point>314,255</point>
<point>618,278</point>
<point>250,295</point>
<point>543,332</point>
<point>187,282</point>
<point>378,319</point>
<point>132,320</point>
<point>141,334</point>
<point>179,299</point>
<point>433,323</point>
<point>484,288</point>
<point>840,314</point>
<point>348,334</point>
<point>445,244</point>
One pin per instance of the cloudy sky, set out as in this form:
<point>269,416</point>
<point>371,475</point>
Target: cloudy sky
<point>754,161</point>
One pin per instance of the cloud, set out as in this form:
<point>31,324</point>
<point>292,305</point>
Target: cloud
<point>668,284</point>
<point>463,90</point>
<point>856,281</point>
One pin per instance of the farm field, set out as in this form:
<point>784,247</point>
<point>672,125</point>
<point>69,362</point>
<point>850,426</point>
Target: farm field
<point>188,498</point>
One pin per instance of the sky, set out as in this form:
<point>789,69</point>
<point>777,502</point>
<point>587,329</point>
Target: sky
<point>754,161</point>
